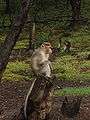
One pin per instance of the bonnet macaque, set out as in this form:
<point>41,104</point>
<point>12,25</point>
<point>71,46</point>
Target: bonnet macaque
<point>40,66</point>
<point>40,60</point>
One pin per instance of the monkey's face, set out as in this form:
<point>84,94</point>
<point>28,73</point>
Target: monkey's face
<point>47,47</point>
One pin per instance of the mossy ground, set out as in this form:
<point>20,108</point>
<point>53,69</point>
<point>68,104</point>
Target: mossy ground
<point>17,70</point>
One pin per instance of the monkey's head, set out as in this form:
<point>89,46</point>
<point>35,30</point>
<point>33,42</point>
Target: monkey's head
<point>46,46</point>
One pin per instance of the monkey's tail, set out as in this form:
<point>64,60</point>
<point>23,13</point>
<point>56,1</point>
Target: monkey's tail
<point>26,100</point>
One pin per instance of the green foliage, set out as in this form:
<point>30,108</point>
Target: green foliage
<point>2,6</point>
<point>14,6</point>
<point>41,37</point>
<point>85,8</point>
<point>73,91</point>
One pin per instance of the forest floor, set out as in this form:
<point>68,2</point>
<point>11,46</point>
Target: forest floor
<point>12,97</point>
<point>72,71</point>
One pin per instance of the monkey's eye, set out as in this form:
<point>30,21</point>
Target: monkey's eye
<point>51,47</point>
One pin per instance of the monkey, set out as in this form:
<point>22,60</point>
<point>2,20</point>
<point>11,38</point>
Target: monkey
<point>40,66</point>
<point>40,60</point>
<point>67,46</point>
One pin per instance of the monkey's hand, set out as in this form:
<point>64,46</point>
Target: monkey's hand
<point>50,64</point>
<point>43,64</point>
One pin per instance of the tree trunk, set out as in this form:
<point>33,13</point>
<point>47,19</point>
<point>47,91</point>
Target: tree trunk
<point>11,39</point>
<point>76,5</point>
<point>32,36</point>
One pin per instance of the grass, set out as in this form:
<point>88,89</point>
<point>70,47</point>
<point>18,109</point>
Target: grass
<point>84,70</point>
<point>80,39</point>
<point>73,91</point>
<point>85,64</point>
<point>84,76</point>
<point>22,44</point>
<point>67,67</point>
<point>17,70</point>
<point>83,55</point>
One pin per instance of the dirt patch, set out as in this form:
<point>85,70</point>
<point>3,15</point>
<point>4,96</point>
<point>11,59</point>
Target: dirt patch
<point>12,97</point>
<point>84,113</point>
<point>67,83</point>
<point>85,69</point>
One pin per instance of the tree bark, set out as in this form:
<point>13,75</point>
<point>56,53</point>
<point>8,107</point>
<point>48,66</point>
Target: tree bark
<point>12,37</point>
<point>76,5</point>
<point>38,104</point>
<point>32,36</point>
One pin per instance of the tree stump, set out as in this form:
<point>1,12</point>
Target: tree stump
<point>38,103</point>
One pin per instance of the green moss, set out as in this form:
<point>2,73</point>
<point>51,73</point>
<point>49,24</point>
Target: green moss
<point>83,76</point>
<point>22,44</point>
<point>73,91</point>
<point>84,70</point>
<point>66,67</point>
<point>17,70</point>
<point>15,77</point>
